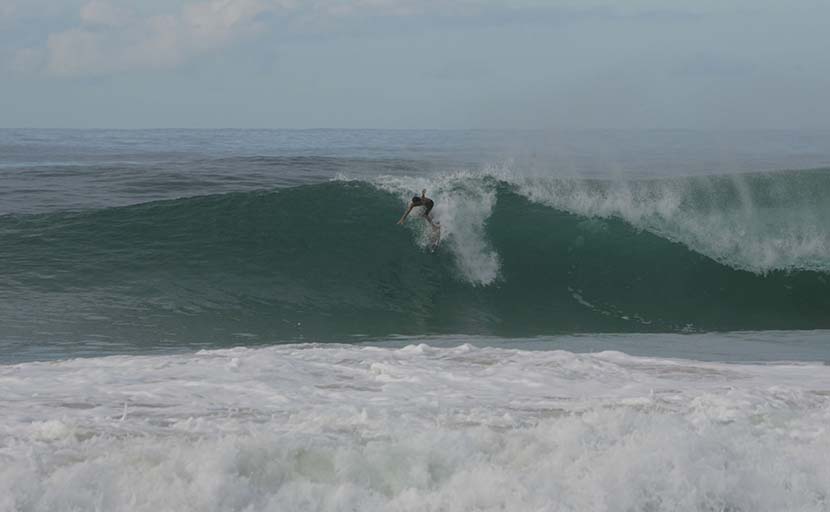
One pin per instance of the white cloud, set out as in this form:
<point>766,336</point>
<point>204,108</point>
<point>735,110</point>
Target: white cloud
<point>102,12</point>
<point>116,35</point>
<point>220,21</point>
<point>112,39</point>
<point>74,50</point>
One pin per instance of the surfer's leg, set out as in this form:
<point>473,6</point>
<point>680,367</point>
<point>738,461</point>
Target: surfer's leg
<point>426,213</point>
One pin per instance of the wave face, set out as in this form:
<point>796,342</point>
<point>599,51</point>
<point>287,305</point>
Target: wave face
<point>519,256</point>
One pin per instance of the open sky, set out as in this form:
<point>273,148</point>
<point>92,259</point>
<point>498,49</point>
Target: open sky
<point>555,64</point>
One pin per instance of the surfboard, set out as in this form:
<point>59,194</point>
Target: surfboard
<point>435,238</point>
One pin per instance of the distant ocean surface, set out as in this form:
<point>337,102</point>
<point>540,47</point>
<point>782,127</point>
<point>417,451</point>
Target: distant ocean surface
<point>233,320</point>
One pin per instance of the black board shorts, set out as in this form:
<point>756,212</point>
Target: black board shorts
<point>428,204</point>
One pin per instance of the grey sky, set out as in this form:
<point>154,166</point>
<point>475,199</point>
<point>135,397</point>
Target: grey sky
<point>415,64</point>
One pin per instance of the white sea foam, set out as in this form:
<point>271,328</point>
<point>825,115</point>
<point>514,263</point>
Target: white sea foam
<point>313,427</point>
<point>464,202</point>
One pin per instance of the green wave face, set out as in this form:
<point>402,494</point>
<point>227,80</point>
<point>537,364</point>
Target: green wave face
<point>328,262</point>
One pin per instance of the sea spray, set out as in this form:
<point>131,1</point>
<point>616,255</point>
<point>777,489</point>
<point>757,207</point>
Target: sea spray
<point>464,203</point>
<point>757,222</point>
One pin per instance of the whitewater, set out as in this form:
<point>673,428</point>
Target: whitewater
<point>233,320</point>
<point>756,222</point>
<point>315,427</point>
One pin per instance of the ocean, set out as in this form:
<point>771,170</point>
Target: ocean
<point>234,320</point>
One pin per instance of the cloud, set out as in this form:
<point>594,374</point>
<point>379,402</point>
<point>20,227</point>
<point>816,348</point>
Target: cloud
<point>102,12</point>
<point>111,36</point>
<point>112,39</point>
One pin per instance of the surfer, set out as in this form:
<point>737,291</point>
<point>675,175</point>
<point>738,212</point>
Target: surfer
<point>424,201</point>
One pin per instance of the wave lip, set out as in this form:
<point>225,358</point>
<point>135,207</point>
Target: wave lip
<point>755,222</point>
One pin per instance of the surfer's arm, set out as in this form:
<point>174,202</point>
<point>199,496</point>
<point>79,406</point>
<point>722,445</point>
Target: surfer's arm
<point>406,213</point>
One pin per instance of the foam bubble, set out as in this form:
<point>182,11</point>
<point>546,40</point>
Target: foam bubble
<point>50,430</point>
